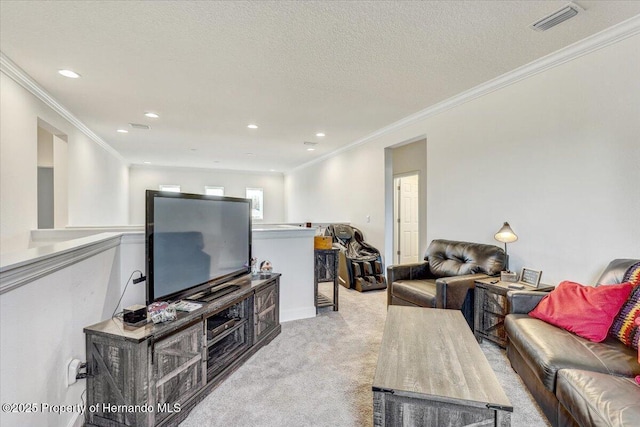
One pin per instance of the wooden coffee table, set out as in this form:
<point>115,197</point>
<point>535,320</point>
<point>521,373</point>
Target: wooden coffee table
<point>432,372</point>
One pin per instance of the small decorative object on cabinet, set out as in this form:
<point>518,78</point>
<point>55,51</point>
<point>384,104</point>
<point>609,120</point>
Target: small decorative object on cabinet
<point>326,270</point>
<point>322,242</point>
<point>508,276</point>
<point>265,269</point>
<point>168,368</point>
<point>492,305</point>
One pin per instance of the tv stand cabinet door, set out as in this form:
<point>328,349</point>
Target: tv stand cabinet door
<point>178,369</point>
<point>117,376</point>
<point>267,311</point>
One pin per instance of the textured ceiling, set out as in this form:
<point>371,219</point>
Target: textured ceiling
<point>294,68</point>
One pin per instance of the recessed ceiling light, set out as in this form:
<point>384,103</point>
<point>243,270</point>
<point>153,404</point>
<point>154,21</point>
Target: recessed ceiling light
<point>151,115</point>
<point>319,134</point>
<point>147,163</point>
<point>69,73</point>
<point>272,170</point>
<point>252,126</point>
<point>122,131</point>
<point>311,149</point>
<point>249,154</point>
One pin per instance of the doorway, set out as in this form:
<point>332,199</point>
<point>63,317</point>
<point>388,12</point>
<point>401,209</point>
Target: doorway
<point>406,218</point>
<point>52,177</point>
<point>403,160</point>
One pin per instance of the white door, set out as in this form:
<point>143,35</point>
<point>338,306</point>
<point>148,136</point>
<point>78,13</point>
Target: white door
<point>406,221</point>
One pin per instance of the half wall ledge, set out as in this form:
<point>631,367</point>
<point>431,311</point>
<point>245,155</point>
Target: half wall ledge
<point>19,268</point>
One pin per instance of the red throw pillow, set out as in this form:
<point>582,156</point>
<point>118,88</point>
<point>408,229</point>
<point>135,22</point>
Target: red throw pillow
<point>584,310</point>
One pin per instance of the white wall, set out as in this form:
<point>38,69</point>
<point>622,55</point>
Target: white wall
<point>344,188</point>
<point>42,330</point>
<point>45,148</point>
<point>98,185</point>
<point>555,154</point>
<point>291,254</point>
<point>142,178</point>
<point>132,258</point>
<point>97,181</point>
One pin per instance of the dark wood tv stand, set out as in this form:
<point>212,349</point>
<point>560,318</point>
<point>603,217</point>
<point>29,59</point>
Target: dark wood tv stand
<point>154,375</point>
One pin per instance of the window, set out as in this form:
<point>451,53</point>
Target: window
<point>257,202</point>
<point>214,191</point>
<point>170,187</point>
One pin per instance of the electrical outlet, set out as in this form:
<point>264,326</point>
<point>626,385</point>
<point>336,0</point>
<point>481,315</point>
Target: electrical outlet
<point>72,371</point>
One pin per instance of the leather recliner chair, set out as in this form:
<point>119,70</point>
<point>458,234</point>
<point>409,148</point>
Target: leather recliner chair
<point>359,264</point>
<point>446,278</point>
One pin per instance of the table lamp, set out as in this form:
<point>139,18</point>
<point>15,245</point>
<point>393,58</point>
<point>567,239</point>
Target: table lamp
<point>506,235</point>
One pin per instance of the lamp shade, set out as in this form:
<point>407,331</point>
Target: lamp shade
<point>506,234</point>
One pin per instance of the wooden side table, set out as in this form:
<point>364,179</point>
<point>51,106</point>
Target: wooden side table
<point>326,270</point>
<point>491,307</point>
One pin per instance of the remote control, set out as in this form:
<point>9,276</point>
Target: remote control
<point>516,286</point>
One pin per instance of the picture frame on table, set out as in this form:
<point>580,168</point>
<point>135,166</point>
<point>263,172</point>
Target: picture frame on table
<point>530,277</point>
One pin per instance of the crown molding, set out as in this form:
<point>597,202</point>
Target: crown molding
<point>604,38</point>
<point>204,169</point>
<point>10,69</point>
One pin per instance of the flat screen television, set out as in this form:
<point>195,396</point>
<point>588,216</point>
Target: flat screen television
<point>194,243</point>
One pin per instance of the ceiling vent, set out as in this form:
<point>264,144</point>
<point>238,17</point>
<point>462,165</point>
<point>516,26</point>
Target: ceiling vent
<point>557,17</point>
<point>139,126</point>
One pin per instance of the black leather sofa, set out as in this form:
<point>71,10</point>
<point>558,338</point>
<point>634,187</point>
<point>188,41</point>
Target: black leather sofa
<point>575,381</point>
<point>446,278</point>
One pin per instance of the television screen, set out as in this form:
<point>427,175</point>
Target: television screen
<point>194,242</point>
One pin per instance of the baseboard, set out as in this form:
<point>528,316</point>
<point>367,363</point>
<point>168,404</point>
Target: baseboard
<point>297,313</point>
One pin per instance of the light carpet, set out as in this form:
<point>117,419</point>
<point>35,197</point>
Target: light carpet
<point>318,372</point>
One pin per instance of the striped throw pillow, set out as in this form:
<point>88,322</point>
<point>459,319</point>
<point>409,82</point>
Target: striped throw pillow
<point>624,326</point>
